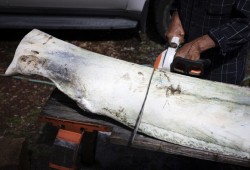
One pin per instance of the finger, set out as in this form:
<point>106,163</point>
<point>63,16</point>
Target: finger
<point>170,39</point>
<point>179,54</point>
<point>194,55</point>
<point>182,40</point>
<point>168,36</point>
<point>190,56</point>
<point>181,37</point>
<point>182,32</point>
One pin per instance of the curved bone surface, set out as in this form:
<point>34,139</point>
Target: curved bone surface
<point>187,111</point>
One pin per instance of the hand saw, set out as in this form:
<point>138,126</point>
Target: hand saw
<point>168,61</point>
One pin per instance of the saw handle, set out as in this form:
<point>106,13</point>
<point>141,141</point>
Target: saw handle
<point>175,42</point>
<point>190,67</point>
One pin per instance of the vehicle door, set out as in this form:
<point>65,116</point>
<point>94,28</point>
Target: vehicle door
<point>69,4</point>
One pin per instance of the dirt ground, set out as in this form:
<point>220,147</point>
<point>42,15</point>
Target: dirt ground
<point>21,101</point>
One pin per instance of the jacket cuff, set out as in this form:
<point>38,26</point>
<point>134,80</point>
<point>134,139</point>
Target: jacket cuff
<point>220,41</point>
<point>172,11</point>
<point>174,7</point>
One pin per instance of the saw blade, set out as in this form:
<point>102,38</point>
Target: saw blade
<point>168,58</point>
<point>138,121</point>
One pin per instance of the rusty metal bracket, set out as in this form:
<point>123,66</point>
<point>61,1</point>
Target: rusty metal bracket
<point>70,136</point>
<point>74,126</point>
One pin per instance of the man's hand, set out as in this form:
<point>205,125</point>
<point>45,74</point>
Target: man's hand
<point>193,49</point>
<point>175,29</point>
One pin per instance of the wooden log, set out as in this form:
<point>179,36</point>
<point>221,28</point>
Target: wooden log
<point>195,113</point>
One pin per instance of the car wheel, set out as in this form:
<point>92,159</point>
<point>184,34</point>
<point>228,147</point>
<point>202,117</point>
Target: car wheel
<point>162,16</point>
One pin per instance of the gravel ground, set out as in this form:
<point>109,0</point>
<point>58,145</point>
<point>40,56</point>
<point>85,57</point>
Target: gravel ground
<point>21,101</point>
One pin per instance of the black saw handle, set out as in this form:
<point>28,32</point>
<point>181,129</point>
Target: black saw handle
<point>188,67</point>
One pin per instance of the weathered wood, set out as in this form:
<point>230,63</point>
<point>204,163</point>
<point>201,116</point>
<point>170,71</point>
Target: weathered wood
<point>59,105</point>
<point>121,136</point>
<point>199,114</point>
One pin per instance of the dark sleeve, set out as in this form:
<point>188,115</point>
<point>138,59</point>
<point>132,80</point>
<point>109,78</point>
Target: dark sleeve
<point>175,6</point>
<point>235,33</point>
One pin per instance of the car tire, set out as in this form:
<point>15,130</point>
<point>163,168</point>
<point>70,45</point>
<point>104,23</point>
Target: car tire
<point>162,16</point>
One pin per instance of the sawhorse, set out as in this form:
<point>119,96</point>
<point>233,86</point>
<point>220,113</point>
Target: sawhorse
<point>73,139</point>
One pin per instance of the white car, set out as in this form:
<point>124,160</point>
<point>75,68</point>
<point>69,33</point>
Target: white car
<point>85,14</point>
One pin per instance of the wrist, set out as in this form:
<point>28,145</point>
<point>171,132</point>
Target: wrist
<point>205,42</point>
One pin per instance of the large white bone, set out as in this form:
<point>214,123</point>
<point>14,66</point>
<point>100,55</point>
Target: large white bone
<point>188,111</point>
